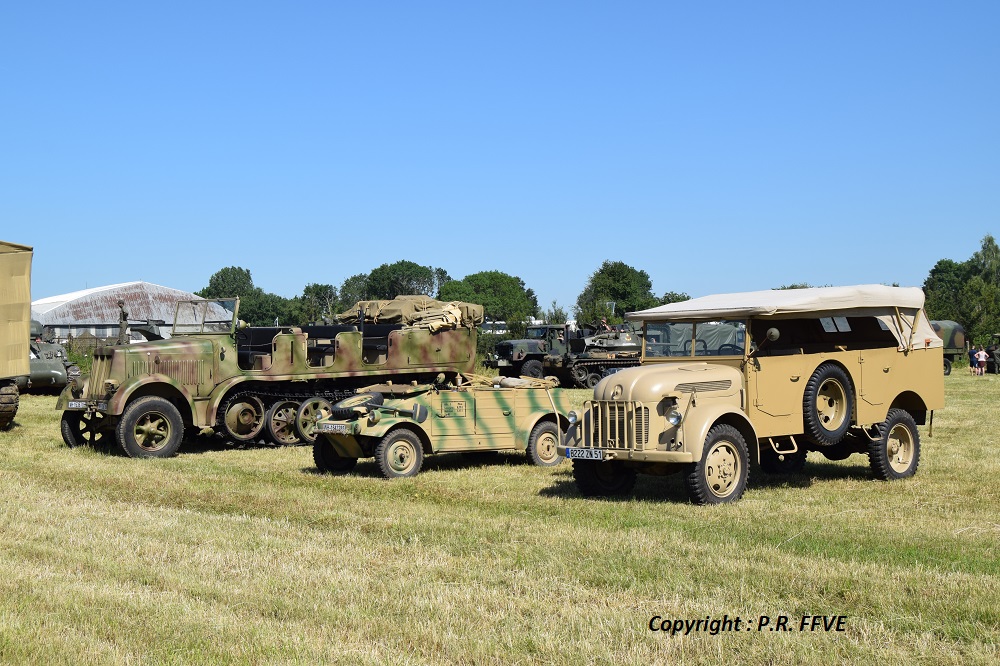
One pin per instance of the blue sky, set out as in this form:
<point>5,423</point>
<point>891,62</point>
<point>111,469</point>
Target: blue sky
<point>720,146</point>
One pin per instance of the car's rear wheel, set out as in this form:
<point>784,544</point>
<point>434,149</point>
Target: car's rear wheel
<point>896,454</point>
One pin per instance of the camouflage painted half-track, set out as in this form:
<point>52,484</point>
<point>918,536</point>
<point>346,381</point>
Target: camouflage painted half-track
<point>15,306</point>
<point>399,425</point>
<point>215,373</point>
<point>578,358</point>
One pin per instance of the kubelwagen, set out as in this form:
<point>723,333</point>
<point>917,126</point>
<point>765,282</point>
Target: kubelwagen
<point>399,424</point>
<point>765,377</point>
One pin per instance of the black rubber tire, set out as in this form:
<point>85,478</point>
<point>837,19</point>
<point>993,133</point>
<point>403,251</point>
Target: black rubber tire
<point>896,454</point>
<point>9,400</point>
<point>542,444</point>
<point>593,379</point>
<point>150,427</point>
<point>84,429</point>
<point>772,462</point>
<point>532,368</point>
<point>947,367</point>
<point>328,461</point>
<point>345,409</point>
<point>311,411</point>
<point>596,478</point>
<point>279,423</point>
<point>399,454</point>
<point>722,473</point>
<point>827,405</point>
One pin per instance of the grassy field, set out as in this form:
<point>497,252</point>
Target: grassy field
<point>223,555</point>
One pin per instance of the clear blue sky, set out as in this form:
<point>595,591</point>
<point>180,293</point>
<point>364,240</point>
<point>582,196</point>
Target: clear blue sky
<point>718,146</point>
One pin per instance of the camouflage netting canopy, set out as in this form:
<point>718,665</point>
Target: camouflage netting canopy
<point>417,310</point>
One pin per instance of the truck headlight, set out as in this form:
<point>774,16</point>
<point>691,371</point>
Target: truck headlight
<point>674,417</point>
<point>572,417</point>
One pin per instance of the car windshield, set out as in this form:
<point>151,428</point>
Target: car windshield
<point>535,334</point>
<point>714,338</point>
<point>215,316</point>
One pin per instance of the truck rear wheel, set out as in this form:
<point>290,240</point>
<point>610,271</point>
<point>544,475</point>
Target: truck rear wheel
<point>150,427</point>
<point>532,368</point>
<point>721,474</point>
<point>896,454</point>
<point>542,444</point>
<point>827,405</point>
<point>595,478</point>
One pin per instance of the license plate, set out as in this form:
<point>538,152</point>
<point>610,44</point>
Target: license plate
<point>101,406</point>
<point>335,428</point>
<point>584,454</point>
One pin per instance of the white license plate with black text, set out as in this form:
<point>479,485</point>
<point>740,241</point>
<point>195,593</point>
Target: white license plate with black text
<point>584,454</point>
<point>335,428</point>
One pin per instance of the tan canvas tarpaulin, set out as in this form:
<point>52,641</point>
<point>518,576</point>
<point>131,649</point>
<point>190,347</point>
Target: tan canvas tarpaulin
<point>15,309</point>
<point>415,311</point>
<point>899,308</point>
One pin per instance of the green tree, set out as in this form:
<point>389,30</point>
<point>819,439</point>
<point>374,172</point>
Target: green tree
<point>555,315</point>
<point>674,297</point>
<point>943,289</point>
<point>403,277</point>
<point>317,302</point>
<point>227,282</point>
<point>504,297</point>
<point>617,283</point>
<point>354,289</point>
<point>979,309</point>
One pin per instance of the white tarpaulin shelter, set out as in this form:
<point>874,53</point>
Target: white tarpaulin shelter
<point>898,308</point>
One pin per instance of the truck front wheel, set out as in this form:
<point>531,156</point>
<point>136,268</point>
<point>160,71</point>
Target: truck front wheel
<point>532,368</point>
<point>151,427</point>
<point>721,474</point>
<point>595,478</point>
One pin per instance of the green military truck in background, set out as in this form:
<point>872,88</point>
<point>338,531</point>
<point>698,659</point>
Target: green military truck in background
<point>15,317</point>
<point>215,373</point>
<point>48,363</point>
<point>956,346</point>
<point>576,357</point>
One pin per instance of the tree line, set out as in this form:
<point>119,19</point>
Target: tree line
<point>612,290</point>
<point>968,292</point>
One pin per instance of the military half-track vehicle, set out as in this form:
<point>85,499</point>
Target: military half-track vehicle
<point>48,363</point>
<point>398,424</point>
<point>763,377</point>
<point>955,343</point>
<point>217,374</point>
<point>578,358</point>
<point>15,317</point>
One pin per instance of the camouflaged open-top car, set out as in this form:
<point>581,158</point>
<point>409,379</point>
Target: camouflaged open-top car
<point>216,373</point>
<point>765,377</point>
<point>399,425</point>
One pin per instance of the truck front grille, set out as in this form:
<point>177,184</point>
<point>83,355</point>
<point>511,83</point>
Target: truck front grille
<point>616,425</point>
<point>100,370</point>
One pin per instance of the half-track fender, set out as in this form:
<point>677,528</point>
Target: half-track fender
<point>696,430</point>
<point>159,385</point>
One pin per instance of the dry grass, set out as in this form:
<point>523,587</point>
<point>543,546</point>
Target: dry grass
<point>248,556</point>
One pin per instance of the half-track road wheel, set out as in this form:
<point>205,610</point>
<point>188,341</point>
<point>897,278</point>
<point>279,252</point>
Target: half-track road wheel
<point>328,461</point>
<point>85,429</point>
<point>280,423</point>
<point>310,412</point>
<point>595,478</point>
<point>593,379</point>
<point>243,418</point>
<point>150,427</point>
<point>579,374</point>
<point>399,454</point>
<point>896,454</point>
<point>542,444</point>
<point>721,474</point>
<point>827,405</point>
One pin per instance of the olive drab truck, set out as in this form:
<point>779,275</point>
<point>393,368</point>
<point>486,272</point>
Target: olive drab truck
<point>955,342</point>
<point>215,373</point>
<point>763,377</point>
<point>15,318</point>
<point>576,357</point>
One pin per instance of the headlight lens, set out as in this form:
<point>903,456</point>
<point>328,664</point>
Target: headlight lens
<point>573,417</point>
<point>674,417</point>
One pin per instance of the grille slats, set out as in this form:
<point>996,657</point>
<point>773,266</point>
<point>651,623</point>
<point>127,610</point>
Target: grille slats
<point>617,425</point>
<point>99,371</point>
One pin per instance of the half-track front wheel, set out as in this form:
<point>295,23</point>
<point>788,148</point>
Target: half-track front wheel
<point>244,418</point>
<point>150,427</point>
<point>310,412</point>
<point>85,429</point>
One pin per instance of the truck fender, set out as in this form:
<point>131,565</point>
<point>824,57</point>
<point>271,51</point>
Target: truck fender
<point>695,433</point>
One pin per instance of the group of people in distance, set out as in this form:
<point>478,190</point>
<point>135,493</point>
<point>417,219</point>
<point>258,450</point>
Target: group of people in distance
<point>977,360</point>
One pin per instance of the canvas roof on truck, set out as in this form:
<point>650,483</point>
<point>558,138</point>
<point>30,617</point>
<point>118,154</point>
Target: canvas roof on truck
<point>867,300</point>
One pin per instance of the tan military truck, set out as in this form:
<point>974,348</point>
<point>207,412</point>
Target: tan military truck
<point>763,377</point>
<point>399,424</point>
<point>215,373</point>
<point>15,322</point>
